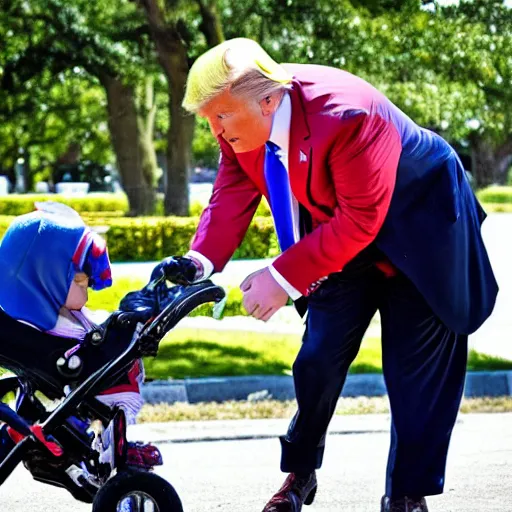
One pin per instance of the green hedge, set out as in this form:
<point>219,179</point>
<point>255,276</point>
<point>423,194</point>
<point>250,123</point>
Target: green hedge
<point>95,204</point>
<point>111,205</point>
<point>154,238</point>
<point>497,207</point>
<point>495,194</point>
<point>196,208</point>
<point>18,204</point>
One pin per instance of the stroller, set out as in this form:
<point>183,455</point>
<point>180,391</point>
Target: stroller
<point>75,376</point>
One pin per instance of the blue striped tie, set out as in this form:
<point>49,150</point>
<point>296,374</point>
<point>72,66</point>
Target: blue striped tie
<point>280,197</point>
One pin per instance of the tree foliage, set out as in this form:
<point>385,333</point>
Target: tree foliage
<point>449,67</point>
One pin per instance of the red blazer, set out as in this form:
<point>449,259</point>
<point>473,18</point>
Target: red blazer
<point>343,159</point>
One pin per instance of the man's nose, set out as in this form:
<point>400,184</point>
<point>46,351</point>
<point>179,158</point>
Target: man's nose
<point>215,127</point>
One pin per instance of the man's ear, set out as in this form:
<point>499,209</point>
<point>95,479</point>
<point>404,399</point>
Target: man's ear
<point>270,103</point>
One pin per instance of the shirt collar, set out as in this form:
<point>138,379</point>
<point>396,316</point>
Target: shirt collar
<point>280,133</point>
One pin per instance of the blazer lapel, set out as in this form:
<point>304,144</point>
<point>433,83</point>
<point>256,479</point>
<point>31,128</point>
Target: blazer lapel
<point>300,153</point>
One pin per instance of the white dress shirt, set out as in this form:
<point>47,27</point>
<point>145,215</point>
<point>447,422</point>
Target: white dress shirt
<point>280,136</point>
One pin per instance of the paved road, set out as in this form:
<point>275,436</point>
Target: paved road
<point>495,337</point>
<point>238,476</point>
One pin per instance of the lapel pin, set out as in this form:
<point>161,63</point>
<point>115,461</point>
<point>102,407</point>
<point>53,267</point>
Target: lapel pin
<point>302,156</point>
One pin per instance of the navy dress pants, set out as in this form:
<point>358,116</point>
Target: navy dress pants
<point>424,366</point>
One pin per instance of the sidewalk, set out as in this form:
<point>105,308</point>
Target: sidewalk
<point>234,273</point>
<point>219,430</point>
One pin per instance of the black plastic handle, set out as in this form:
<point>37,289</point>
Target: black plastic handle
<point>184,302</point>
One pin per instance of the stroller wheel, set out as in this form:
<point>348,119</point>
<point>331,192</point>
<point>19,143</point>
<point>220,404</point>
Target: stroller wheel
<point>137,491</point>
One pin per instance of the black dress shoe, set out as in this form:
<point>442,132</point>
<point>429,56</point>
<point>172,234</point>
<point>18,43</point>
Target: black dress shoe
<point>403,505</point>
<point>296,491</point>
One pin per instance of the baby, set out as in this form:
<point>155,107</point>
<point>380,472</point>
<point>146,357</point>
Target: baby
<point>49,258</point>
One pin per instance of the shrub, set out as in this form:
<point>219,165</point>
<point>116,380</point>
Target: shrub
<point>495,194</point>
<point>497,207</point>
<point>4,224</point>
<point>196,208</point>
<point>147,238</point>
<point>18,204</point>
<point>154,238</point>
<point>260,240</point>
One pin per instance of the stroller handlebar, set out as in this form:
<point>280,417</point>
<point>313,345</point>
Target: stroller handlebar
<point>180,301</point>
<point>185,300</point>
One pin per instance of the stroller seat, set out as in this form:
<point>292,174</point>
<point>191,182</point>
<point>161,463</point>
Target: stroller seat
<point>32,355</point>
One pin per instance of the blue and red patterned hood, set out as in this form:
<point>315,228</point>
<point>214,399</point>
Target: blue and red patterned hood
<point>39,256</point>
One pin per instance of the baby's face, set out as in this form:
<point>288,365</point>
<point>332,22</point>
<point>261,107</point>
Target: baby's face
<point>78,295</point>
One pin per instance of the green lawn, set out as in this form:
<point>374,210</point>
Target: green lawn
<point>109,298</point>
<point>204,353</point>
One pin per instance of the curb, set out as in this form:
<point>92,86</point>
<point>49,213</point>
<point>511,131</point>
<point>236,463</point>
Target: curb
<point>280,387</point>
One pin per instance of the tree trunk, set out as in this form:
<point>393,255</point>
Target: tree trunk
<point>27,170</point>
<point>71,156</point>
<point>173,57</point>
<point>146,112</point>
<point>504,154</point>
<point>179,142</point>
<point>503,168</point>
<point>130,145</point>
<point>490,164</point>
<point>484,163</point>
<point>210,26</point>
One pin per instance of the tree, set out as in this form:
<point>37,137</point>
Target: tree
<point>485,59</point>
<point>448,68</point>
<point>177,43</point>
<point>109,42</point>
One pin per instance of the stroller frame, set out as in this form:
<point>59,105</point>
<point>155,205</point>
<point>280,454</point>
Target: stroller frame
<point>81,401</point>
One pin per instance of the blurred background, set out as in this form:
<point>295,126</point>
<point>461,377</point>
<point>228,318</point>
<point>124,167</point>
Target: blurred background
<point>91,91</point>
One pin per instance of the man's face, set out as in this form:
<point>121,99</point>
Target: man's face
<point>244,123</point>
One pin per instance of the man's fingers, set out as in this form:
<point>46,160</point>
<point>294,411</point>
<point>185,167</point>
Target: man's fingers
<point>249,303</point>
<point>256,311</point>
<point>246,283</point>
<point>262,295</point>
<point>268,314</point>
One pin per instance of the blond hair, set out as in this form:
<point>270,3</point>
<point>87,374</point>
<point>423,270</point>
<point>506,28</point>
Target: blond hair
<point>240,64</point>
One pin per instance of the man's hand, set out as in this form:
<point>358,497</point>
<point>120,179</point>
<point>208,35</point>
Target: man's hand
<point>263,296</point>
<point>179,269</point>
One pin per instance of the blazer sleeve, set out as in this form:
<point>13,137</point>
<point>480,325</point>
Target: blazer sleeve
<point>363,163</point>
<point>225,220</point>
